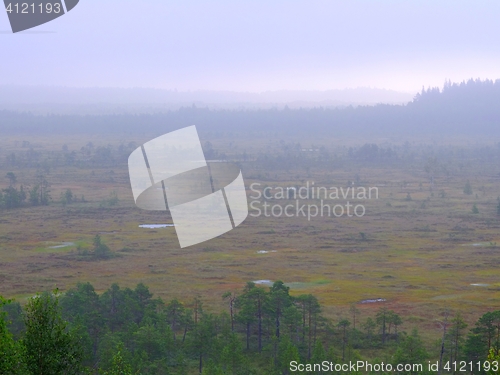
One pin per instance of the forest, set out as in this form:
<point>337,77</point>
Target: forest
<point>128,331</point>
<point>458,108</point>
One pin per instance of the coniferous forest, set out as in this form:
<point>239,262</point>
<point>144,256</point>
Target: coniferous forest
<point>265,329</point>
<point>469,107</point>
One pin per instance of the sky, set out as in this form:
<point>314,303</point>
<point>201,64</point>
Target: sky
<point>257,45</point>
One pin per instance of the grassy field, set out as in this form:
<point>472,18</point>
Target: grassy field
<point>419,248</point>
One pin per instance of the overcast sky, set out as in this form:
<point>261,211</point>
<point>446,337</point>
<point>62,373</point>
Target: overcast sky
<point>257,45</point>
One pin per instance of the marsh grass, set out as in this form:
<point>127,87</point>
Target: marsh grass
<point>420,259</point>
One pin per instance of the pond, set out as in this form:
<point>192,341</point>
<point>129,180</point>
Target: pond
<point>263,282</point>
<point>155,226</point>
<point>63,244</point>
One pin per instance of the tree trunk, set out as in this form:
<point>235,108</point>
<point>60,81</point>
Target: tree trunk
<point>173,327</point>
<point>277,325</point>
<point>383,330</point>
<point>185,332</point>
<point>442,350</point>
<point>315,329</point>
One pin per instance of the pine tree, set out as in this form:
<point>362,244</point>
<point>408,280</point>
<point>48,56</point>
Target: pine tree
<point>411,351</point>
<point>381,319</point>
<point>279,300</point>
<point>318,355</point>
<point>343,324</point>
<point>288,352</point>
<point>251,305</point>
<point>455,337</point>
<point>120,366</point>
<point>232,359</point>
<point>369,327</point>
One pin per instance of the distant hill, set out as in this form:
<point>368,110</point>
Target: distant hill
<point>470,108</point>
<point>44,99</point>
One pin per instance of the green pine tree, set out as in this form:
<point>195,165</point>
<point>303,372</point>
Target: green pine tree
<point>411,351</point>
<point>119,366</point>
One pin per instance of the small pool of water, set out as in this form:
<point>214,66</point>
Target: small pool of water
<point>263,282</point>
<point>266,251</point>
<point>480,284</point>
<point>155,226</point>
<point>64,244</point>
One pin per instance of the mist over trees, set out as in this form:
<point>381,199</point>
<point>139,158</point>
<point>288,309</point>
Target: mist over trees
<point>129,100</point>
<point>469,108</point>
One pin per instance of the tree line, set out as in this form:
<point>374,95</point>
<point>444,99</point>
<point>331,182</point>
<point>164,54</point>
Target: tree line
<point>469,107</point>
<point>36,195</point>
<point>127,331</point>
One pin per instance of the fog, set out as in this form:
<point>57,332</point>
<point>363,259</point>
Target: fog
<point>256,46</point>
<point>466,108</point>
<point>66,100</point>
